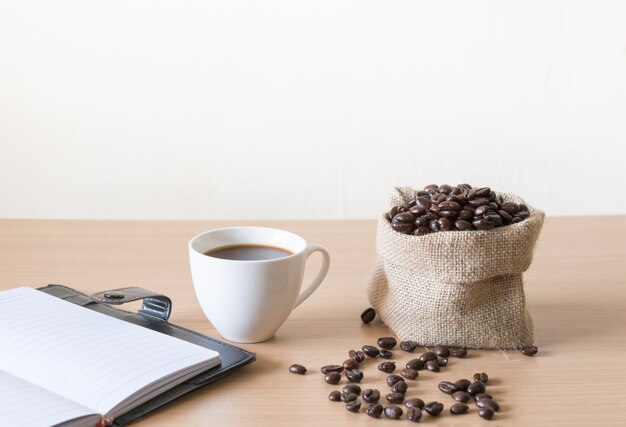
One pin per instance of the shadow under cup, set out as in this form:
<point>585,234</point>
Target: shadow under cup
<point>247,301</point>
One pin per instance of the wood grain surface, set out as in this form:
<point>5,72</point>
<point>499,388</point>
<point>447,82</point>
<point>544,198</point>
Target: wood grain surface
<point>576,293</point>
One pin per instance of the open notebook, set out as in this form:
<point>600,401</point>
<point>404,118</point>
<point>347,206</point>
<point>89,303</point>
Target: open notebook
<point>63,364</point>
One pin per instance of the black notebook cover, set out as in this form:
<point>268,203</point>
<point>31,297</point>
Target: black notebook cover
<point>232,357</point>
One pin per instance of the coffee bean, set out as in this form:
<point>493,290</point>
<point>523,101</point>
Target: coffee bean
<point>331,368</point>
<point>482,396</point>
<point>476,387</point>
<point>442,361</point>
<point>432,366</point>
<point>434,225</point>
<point>486,413</point>
<point>404,217</point>
<point>371,395</point>
<point>395,397</point>
<point>459,408</point>
<point>349,364</point>
<point>481,376</point>
<point>461,353</point>
<point>483,191</point>
<point>441,350</point>
<point>402,227</point>
<point>387,342</point>
<point>408,346</point>
<point>445,224</point>
<point>429,355</point>
<point>392,379</point>
<point>421,230</point>
<point>476,202</point>
<point>462,384</point>
<point>481,210</point>
<point>488,403</point>
<point>516,219</point>
<point>353,406</point>
<point>368,315</point>
<point>351,388</point>
<point>445,189</point>
<point>370,350</point>
<point>450,215</point>
<point>483,224</point>
<point>449,206</point>
<point>506,218</point>
<point>334,396</point>
<point>529,350</point>
<point>374,410</point>
<point>416,364</point>
<point>510,207</point>
<point>354,375</point>
<point>463,225</point>
<point>332,378</point>
<point>414,414</point>
<point>433,408</point>
<point>399,387</point>
<point>461,396</point>
<point>297,369</point>
<point>358,356</point>
<point>387,367</point>
<point>393,412</point>
<point>409,374</point>
<point>417,210</point>
<point>446,387</point>
<point>349,397</point>
<point>414,403</point>
<point>385,354</point>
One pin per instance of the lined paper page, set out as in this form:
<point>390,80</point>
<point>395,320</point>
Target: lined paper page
<point>85,356</point>
<point>25,404</point>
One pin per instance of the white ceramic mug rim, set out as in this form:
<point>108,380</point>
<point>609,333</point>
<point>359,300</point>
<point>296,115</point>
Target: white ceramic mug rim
<point>248,227</point>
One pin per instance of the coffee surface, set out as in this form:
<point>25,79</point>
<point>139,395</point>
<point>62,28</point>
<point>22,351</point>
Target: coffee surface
<point>248,252</point>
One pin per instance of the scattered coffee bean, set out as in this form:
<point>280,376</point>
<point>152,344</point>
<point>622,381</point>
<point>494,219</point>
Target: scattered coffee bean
<point>351,388</point>
<point>393,412</point>
<point>371,395</point>
<point>332,378</point>
<point>482,396</point>
<point>432,366</point>
<point>297,369</point>
<point>395,397</point>
<point>368,315</point>
<point>462,385</point>
<point>433,408</point>
<point>409,374</point>
<point>414,414</point>
<point>370,350</point>
<point>446,387</point>
<point>441,350</point>
<point>482,377</point>
<point>529,350</point>
<point>354,375</point>
<point>392,379</point>
<point>349,364</point>
<point>400,387</point>
<point>476,387</point>
<point>442,361</point>
<point>408,346</point>
<point>349,397</point>
<point>416,364</point>
<point>486,413</point>
<point>459,408</point>
<point>450,208</point>
<point>488,403</point>
<point>374,410</point>
<point>334,396</point>
<point>353,406</point>
<point>429,355</point>
<point>461,353</point>
<point>414,403</point>
<point>385,354</point>
<point>358,356</point>
<point>387,342</point>
<point>331,368</point>
<point>387,367</point>
<point>461,396</point>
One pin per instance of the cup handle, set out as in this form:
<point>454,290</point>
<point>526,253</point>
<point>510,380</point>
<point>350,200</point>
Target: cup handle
<point>320,276</point>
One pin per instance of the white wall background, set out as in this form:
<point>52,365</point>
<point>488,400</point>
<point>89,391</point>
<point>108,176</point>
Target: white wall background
<point>306,109</point>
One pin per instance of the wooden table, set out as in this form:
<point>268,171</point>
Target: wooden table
<point>576,293</point>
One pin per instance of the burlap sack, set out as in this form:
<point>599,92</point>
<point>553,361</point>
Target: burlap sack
<point>459,288</point>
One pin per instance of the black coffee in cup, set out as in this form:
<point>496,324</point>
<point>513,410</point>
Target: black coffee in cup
<point>248,252</point>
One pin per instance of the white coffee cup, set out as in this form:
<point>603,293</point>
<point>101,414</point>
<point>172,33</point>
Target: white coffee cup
<point>247,301</point>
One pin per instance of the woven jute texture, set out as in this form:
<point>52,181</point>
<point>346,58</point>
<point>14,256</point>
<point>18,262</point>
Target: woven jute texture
<point>459,288</point>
